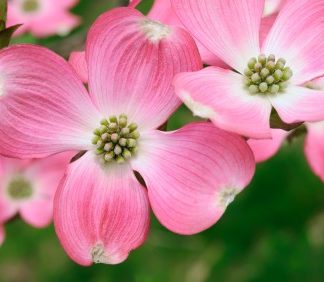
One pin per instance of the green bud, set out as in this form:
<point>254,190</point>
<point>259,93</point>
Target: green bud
<point>113,119</point>
<point>263,87</point>
<point>127,154</point>
<point>108,146</point>
<point>270,79</point>
<point>248,72</point>
<point>117,150</point>
<point>131,143</point>
<point>104,122</point>
<point>124,131</point>
<point>258,67</point>
<point>264,72</point>
<point>114,137</point>
<point>120,160</point>
<point>253,89</point>
<point>255,78</point>
<point>274,89</point>
<point>132,127</point>
<point>122,142</point>
<point>252,63</point>
<point>109,156</point>
<point>262,59</point>
<point>95,139</point>
<point>278,74</point>
<point>271,58</point>
<point>135,134</point>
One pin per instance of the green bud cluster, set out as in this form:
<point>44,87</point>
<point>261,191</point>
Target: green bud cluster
<point>266,75</point>
<point>30,5</point>
<point>19,188</point>
<point>116,140</point>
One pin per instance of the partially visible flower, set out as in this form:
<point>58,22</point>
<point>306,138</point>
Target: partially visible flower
<point>27,187</point>
<point>162,11</point>
<point>2,234</point>
<point>42,17</point>
<point>264,149</point>
<point>102,210</point>
<point>266,75</point>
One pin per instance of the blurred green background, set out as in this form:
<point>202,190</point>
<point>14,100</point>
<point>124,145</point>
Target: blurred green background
<point>273,231</point>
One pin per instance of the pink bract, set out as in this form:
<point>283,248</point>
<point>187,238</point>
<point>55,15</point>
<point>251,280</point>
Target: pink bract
<point>162,11</point>
<point>101,208</point>
<point>28,187</point>
<point>231,30</point>
<point>42,17</point>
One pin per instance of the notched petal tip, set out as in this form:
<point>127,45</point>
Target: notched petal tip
<point>154,30</point>
<point>99,255</point>
<point>226,196</point>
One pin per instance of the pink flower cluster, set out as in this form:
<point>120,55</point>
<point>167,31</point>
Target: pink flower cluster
<point>138,70</point>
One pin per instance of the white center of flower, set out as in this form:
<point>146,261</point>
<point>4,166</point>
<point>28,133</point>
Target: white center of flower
<point>19,188</point>
<point>266,75</point>
<point>30,5</point>
<point>116,139</point>
<point>154,30</point>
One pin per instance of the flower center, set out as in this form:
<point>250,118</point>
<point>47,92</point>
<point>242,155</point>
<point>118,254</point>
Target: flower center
<point>30,5</point>
<point>116,140</point>
<point>19,188</point>
<point>266,75</point>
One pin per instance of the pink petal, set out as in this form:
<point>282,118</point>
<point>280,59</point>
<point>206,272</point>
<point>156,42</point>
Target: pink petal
<point>78,62</point>
<point>2,234</point>
<point>218,94</point>
<point>132,74</point>
<point>163,12</point>
<point>193,174</point>
<point>44,107</point>
<point>228,28</point>
<point>299,104</point>
<point>264,149</point>
<point>100,213</point>
<point>266,25</point>
<point>60,23</point>
<point>297,36</point>
<point>314,148</point>
<point>317,84</point>
<point>46,175</point>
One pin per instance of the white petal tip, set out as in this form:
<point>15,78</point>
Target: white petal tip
<point>226,196</point>
<point>154,30</point>
<point>197,108</point>
<point>99,255</point>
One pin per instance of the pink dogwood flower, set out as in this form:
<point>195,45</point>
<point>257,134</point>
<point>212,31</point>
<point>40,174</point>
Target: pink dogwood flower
<point>264,149</point>
<point>162,11</point>
<point>28,187</point>
<point>266,76</point>
<point>101,208</point>
<point>42,17</point>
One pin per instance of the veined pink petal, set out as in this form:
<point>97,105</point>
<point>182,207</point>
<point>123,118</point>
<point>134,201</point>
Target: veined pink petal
<point>266,25</point>
<point>264,149</point>
<point>132,74</point>
<point>314,148</point>
<point>163,12</point>
<point>78,62</point>
<point>2,234</point>
<point>100,213</point>
<point>299,104</point>
<point>193,174</point>
<point>44,107</point>
<point>218,94</point>
<point>46,175</point>
<point>297,37</point>
<point>317,84</point>
<point>228,28</point>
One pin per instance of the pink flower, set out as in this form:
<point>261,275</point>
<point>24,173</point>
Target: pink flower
<point>162,11</point>
<point>267,75</point>
<point>42,17</point>
<point>264,149</point>
<point>101,208</point>
<point>28,187</point>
